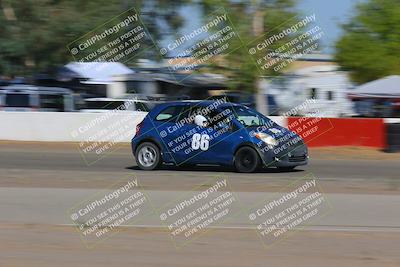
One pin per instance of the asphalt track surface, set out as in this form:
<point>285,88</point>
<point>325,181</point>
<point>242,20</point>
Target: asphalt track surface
<point>40,183</point>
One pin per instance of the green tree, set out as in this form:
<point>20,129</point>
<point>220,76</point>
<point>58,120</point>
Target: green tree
<point>253,20</point>
<point>370,47</point>
<point>34,34</point>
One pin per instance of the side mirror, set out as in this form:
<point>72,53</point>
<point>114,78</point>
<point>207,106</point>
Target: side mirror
<point>233,127</point>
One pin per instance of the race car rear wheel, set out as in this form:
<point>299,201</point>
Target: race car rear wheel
<point>148,156</point>
<point>247,160</point>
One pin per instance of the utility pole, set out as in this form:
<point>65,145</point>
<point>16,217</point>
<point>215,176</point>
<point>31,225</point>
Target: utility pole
<point>258,30</point>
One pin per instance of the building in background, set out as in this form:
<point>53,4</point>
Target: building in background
<point>193,86</point>
<point>316,78</point>
<point>95,78</point>
<point>114,80</point>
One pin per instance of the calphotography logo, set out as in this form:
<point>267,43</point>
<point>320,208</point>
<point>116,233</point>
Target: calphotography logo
<point>197,212</point>
<point>297,206</point>
<point>199,133</point>
<point>107,131</point>
<point>279,48</point>
<point>199,130</point>
<point>103,215</point>
<point>120,39</point>
<point>203,45</point>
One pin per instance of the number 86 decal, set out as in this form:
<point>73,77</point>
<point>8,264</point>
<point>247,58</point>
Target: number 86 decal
<point>200,141</point>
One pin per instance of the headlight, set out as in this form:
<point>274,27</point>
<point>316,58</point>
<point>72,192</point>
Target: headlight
<point>266,138</point>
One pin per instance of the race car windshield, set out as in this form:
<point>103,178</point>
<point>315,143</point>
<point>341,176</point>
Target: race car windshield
<point>251,118</point>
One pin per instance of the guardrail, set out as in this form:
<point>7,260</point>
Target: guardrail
<point>365,132</point>
<point>60,127</point>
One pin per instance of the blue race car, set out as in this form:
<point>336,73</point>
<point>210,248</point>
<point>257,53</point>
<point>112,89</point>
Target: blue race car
<point>215,133</point>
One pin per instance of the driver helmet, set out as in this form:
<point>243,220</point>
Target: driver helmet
<point>200,120</point>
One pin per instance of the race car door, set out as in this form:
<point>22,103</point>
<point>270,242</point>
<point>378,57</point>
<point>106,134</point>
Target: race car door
<point>209,144</point>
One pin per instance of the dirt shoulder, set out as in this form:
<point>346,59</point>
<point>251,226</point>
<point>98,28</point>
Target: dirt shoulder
<point>46,245</point>
<point>360,153</point>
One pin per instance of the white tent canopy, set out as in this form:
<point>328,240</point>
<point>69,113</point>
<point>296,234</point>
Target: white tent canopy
<point>388,87</point>
<point>99,72</point>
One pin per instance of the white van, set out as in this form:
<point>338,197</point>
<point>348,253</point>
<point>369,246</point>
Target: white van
<point>19,98</point>
<point>33,98</point>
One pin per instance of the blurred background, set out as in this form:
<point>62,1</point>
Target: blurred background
<point>353,72</point>
<point>340,87</point>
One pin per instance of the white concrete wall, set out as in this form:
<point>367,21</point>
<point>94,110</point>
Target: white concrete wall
<point>392,120</point>
<point>73,126</point>
<point>59,126</point>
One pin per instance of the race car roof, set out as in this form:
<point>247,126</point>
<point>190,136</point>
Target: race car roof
<point>199,103</point>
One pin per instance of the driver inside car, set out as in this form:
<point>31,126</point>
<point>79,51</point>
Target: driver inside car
<point>201,121</point>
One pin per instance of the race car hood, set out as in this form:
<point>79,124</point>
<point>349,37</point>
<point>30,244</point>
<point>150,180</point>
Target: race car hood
<point>278,132</point>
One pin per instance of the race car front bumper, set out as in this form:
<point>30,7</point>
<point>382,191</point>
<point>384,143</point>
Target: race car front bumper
<point>290,157</point>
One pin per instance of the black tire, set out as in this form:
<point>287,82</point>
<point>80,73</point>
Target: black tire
<point>247,160</point>
<point>286,169</point>
<point>148,156</point>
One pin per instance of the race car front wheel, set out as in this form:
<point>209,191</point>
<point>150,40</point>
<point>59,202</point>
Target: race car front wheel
<point>246,160</point>
<point>148,156</point>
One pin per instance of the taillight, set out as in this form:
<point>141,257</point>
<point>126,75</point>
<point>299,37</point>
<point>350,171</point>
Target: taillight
<point>138,128</point>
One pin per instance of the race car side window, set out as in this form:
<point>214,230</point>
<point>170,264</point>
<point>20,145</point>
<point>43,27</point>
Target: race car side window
<point>169,114</point>
<point>185,116</point>
<point>192,114</point>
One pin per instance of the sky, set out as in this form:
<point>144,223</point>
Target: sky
<point>329,14</point>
